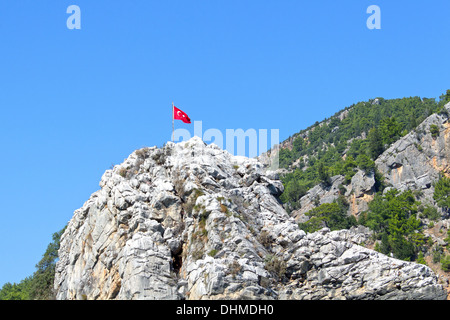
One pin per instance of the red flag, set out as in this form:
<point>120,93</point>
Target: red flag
<point>180,115</point>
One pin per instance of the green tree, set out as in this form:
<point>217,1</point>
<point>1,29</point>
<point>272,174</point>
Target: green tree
<point>412,121</point>
<point>324,176</point>
<point>292,193</point>
<point>298,145</point>
<point>402,249</point>
<point>285,158</point>
<point>430,212</point>
<point>330,215</point>
<point>15,291</point>
<point>445,98</point>
<point>365,163</point>
<point>445,263</point>
<point>375,143</point>
<point>442,192</point>
<point>393,217</point>
<point>349,168</point>
<point>41,285</point>
<point>385,246</point>
<point>391,130</point>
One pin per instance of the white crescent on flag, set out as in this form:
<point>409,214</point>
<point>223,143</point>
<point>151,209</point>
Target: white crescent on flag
<point>180,115</point>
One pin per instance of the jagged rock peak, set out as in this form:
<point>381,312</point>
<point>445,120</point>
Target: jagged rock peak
<point>192,221</point>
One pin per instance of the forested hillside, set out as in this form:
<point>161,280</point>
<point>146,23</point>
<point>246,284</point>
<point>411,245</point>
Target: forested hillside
<point>352,138</point>
<point>329,154</point>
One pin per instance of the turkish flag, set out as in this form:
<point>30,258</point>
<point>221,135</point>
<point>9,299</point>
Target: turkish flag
<point>180,115</point>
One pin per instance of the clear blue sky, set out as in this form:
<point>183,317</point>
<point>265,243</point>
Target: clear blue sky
<point>73,102</point>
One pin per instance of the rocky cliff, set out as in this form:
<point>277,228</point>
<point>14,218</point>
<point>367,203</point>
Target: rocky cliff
<point>414,162</point>
<point>191,221</point>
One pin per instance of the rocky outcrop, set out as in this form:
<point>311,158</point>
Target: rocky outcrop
<point>358,194</point>
<point>341,269</point>
<point>191,221</point>
<point>316,196</point>
<point>415,161</point>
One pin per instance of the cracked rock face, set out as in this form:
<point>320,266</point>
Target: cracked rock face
<point>191,221</point>
<point>415,161</point>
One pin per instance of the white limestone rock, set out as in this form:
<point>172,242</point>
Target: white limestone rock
<point>191,221</point>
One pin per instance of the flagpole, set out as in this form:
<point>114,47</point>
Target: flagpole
<point>172,123</point>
